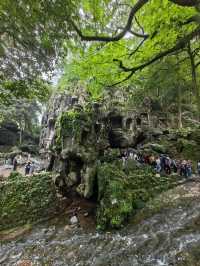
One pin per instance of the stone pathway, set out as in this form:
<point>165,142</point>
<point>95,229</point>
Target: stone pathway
<point>5,171</point>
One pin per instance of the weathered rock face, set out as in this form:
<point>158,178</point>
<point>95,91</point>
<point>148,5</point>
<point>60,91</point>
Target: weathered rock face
<point>84,142</point>
<point>79,139</point>
<point>76,136</point>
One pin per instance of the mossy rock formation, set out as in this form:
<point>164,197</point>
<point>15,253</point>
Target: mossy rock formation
<point>84,142</point>
<point>26,199</point>
<point>125,189</point>
<point>80,135</point>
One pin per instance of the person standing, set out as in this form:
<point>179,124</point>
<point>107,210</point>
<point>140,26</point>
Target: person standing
<point>135,157</point>
<point>183,168</point>
<point>198,167</point>
<point>15,164</point>
<point>158,165</point>
<point>27,168</point>
<point>188,169</point>
<point>167,165</point>
<point>32,168</point>
<point>174,166</point>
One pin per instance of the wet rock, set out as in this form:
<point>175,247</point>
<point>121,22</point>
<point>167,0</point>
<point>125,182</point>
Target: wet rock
<point>72,178</point>
<point>89,178</point>
<point>74,220</point>
<point>24,263</point>
<point>67,228</point>
<point>70,255</point>
<point>118,139</point>
<point>3,258</point>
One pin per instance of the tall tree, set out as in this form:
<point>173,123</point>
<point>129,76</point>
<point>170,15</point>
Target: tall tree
<point>32,34</point>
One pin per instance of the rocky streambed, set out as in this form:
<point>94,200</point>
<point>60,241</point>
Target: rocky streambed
<point>165,232</point>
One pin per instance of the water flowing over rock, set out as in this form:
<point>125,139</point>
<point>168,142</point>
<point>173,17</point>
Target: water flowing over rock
<point>165,233</point>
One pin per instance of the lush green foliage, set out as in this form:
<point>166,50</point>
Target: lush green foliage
<point>10,90</point>
<point>31,35</point>
<point>168,80</point>
<point>25,115</point>
<point>35,36</point>
<point>71,124</point>
<point>123,190</point>
<point>161,20</point>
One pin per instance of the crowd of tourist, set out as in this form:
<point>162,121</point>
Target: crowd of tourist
<point>162,163</point>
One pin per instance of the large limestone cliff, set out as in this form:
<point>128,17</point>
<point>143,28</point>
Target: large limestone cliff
<point>77,135</point>
<point>83,142</point>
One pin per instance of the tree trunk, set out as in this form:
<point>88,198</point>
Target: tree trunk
<point>194,79</point>
<point>180,124</point>
<point>20,136</point>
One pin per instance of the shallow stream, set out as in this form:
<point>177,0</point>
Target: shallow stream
<point>156,240</point>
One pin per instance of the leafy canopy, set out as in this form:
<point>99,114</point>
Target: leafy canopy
<point>127,35</point>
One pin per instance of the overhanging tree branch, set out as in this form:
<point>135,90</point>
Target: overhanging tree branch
<point>123,80</point>
<point>137,48</point>
<point>180,45</point>
<point>127,28</point>
<point>140,35</point>
<point>137,34</point>
<point>197,64</point>
<point>139,25</point>
<point>195,18</point>
<point>186,2</point>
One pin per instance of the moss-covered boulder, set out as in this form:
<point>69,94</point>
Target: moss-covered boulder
<point>189,149</point>
<point>155,147</point>
<point>26,199</point>
<point>124,189</point>
<point>195,135</point>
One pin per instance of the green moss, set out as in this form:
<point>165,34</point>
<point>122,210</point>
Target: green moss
<point>195,136</point>
<point>71,124</point>
<point>189,149</point>
<point>123,191</point>
<point>26,199</point>
<point>110,155</point>
<point>156,148</point>
<point>183,132</point>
